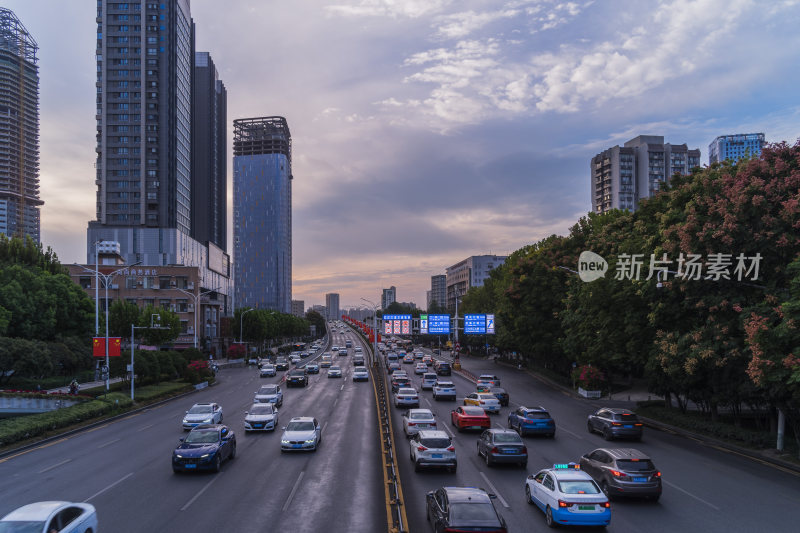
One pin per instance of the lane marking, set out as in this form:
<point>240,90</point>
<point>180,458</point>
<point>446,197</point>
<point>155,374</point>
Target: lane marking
<point>560,428</point>
<point>342,387</point>
<point>294,490</point>
<point>190,502</point>
<point>324,426</point>
<point>117,482</point>
<point>498,425</point>
<point>494,490</point>
<point>108,443</point>
<point>428,401</point>
<point>32,450</point>
<point>98,427</point>
<point>148,426</point>
<point>674,486</point>
<point>65,461</point>
<point>449,432</point>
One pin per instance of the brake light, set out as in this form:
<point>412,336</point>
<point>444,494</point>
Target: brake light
<point>495,450</point>
<point>638,424</point>
<point>451,448</point>
<point>606,505</point>
<point>616,423</point>
<point>412,423</point>
<point>562,503</point>
<point>421,448</point>
<point>616,473</point>
<point>525,450</point>
<point>483,403</point>
<point>658,474</point>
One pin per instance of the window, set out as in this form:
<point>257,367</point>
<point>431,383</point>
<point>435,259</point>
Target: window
<point>86,282</point>
<point>130,282</point>
<point>165,304</point>
<point>164,282</point>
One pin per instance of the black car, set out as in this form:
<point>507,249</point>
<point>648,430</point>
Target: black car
<point>501,394</point>
<point>443,368</point>
<point>623,472</point>
<point>282,364</point>
<point>204,448</point>
<point>463,509</point>
<point>297,378</point>
<point>614,422</point>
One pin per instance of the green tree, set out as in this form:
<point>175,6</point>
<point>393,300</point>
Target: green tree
<point>167,320</point>
<point>121,316</point>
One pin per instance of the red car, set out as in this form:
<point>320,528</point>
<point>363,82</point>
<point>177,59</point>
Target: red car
<point>470,416</point>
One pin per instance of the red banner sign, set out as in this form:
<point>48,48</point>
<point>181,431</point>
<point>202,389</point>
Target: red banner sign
<point>114,347</point>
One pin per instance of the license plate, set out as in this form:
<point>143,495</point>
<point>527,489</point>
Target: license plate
<point>509,451</point>
<point>190,466</point>
<point>640,479</point>
<point>586,507</point>
<point>297,445</point>
<point>422,426</point>
<point>436,455</point>
<point>628,426</point>
<point>257,425</point>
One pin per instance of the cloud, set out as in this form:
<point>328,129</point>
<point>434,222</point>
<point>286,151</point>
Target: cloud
<point>388,8</point>
<point>460,25</point>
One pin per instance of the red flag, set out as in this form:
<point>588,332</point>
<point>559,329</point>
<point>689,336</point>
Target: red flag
<point>99,347</point>
<point>114,346</point>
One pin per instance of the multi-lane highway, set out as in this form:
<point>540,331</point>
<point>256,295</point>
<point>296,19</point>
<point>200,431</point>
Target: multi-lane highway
<point>123,468</point>
<point>704,489</point>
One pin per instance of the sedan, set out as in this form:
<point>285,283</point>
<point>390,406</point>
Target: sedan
<point>491,379</point>
<point>204,448</point>
<point>392,367</point>
<point>360,373</point>
<point>432,448</point>
<point>312,368</point>
<point>623,472</point>
<point>534,420</point>
<point>470,417</point>
<point>501,395</point>
<point>202,413</point>
<point>420,368</point>
<point>463,509</point>
<point>269,394</point>
<point>483,399</point>
<point>615,423</point>
<point>267,370</point>
<point>408,358</point>
<point>406,397</point>
<point>502,446</point>
<point>302,433</point>
<point>444,390</point>
<point>428,379</point>
<point>568,496</point>
<point>335,371</point>
<point>399,382</point>
<point>261,417</point>
<point>297,378</point>
<point>417,419</point>
<point>45,517</point>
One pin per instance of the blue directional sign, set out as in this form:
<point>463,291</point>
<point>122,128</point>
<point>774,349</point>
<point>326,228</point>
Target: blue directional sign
<point>490,324</point>
<point>479,324</point>
<point>437,324</point>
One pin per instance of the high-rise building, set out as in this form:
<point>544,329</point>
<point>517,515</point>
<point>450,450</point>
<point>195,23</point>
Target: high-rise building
<point>262,213</point>
<point>438,291</point>
<point>621,176</point>
<point>735,147</point>
<point>209,163</point>
<point>332,305</point>
<point>19,130</point>
<point>470,272</point>
<point>298,308</point>
<point>388,297</point>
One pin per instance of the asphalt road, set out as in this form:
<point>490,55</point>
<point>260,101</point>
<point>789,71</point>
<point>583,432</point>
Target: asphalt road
<point>123,468</point>
<point>705,489</point>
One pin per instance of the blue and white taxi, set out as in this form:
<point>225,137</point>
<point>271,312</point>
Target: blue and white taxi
<point>568,496</point>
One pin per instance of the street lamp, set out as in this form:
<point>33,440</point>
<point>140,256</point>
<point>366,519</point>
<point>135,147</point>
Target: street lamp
<point>374,330</point>
<point>106,280</point>
<point>196,297</point>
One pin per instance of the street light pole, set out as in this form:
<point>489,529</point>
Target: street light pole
<point>195,297</point>
<point>374,330</point>
<point>241,323</point>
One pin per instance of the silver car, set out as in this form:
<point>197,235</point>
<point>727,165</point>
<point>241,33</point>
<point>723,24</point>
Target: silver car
<point>269,394</point>
<point>444,390</point>
<point>261,417</point>
<point>406,397</point>
<point>416,419</point>
<point>428,380</point>
<point>335,371</point>
<point>202,413</point>
<point>432,448</point>
<point>267,370</point>
<point>302,433</point>
<point>44,517</point>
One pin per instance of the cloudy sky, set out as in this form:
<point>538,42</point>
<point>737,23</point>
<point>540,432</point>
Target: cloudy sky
<point>426,131</point>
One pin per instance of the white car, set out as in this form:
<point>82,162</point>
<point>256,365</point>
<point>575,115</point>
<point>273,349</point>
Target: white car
<point>444,390</point>
<point>267,370</point>
<point>567,495</point>
<point>488,401</point>
<point>432,448</point>
<point>269,394</point>
<point>335,371</point>
<point>406,397</point>
<point>44,517</point>
<point>261,417</point>
<point>302,433</point>
<point>360,373</point>
<point>202,413</point>
<point>294,359</point>
<point>428,380</point>
<point>421,368</point>
<point>417,419</point>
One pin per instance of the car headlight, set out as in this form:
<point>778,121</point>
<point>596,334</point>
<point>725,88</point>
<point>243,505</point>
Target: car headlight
<point>311,441</point>
<point>208,420</point>
<point>179,456</point>
<point>204,456</point>
<point>284,441</point>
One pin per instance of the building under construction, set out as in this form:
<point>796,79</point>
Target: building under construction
<point>19,130</point>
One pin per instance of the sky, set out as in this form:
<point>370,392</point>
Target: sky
<point>427,131</point>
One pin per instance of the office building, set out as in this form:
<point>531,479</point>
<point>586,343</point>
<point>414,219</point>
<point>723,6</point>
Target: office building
<point>438,292</point>
<point>735,147</point>
<point>470,272</point>
<point>388,297</point>
<point>262,213</point>
<point>19,130</point>
<point>332,305</point>
<point>209,212</point>
<point>621,176</point>
<point>298,308</point>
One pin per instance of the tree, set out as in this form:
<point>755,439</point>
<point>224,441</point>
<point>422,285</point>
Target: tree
<point>121,316</point>
<point>168,320</point>
<point>316,319</point>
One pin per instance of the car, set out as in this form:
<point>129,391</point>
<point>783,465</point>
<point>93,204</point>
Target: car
<point>297,377</point>
<point>301,433</point>
<point>568,496</point>
<point>491,379</point>
<point>442,368</point>
<point>463,509</point>
<point>358,360</point>
<point>501,395</point>
<point>204,448</point>
<point>303,355</point>
<point>202,413</point>
<point>444,390</point>
<point>418,356</point>
<point>348,344</point>
<point>335,371</point>
<point>49,516</point>
<point>427,359</point>
<point>400,381</point>
<point>532,420</point>
<point>334,348</point>
<point>408,359</point>
<point>282,364</point>
<point>252,360</point>
<point>312,368</point>
<point>623,472</point>
<point>432,448</point>
<point>267,370</point>
<point>294,359</point>
<point>269,394</point>
<point>392,367</point>
<point>416,419</point>
<point>502,446</point>
<point>326,361</point>
<point>358,349</point>
<point>420,368</point>
<point>614,423</point>
<point>406,397</point>
<point>483,399</point>
<point>261,417</point>
<point>428,379</point>
<point>470,417</point>
<point>360,373</point>
<point>343,352</point>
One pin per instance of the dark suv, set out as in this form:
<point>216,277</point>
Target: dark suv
<point>463,509</point>
<point>297,378</point>
<point>613,422</point>
<point>442,368</point>
<point>623,472</point>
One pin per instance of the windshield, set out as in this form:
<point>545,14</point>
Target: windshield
<point>578,487</point>
<point>635,466</point>
<point>507,438</point>
<point>261,410</point>
<point>268,389</point>
<point>472,511</point>
<point>406,391</point>
<point>202,437</point>
<point>21,527</point>
<point>420,416</point>
<point>444,384</point>
<point>300,426</point>
<point>200,409</point>
<point>473,411</point>
<point>538,415</point>
<point>437,443</point>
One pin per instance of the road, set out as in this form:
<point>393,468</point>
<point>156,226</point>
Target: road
<point>123,468</point>
<point>705,489</point>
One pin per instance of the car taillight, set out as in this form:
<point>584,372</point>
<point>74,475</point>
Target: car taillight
<point>412,423</point>
<point>495,450</point>
<point>483,403</point>
<point>617,473</point>
<point>451,448</point>
<point>616,423</point>
<point>607,505</point>
<point>562,503</point>
<point>525,450</point>
<point>638,424</point>
<point>421,448</point>
<point>657,474</point>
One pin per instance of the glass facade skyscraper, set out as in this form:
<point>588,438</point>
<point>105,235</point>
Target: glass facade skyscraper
<point>735,147</point>
<point>262,213</point>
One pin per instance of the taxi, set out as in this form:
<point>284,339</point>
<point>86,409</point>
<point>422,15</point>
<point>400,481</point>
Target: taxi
<point>568,496</point>
<point>483,399</point>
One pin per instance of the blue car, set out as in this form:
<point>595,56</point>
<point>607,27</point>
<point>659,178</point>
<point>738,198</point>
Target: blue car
<point>568,496</point>
<point>312,368</point>
<point>532,420</point>
<point>204,448</point>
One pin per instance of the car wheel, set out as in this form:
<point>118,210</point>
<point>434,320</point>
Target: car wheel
<point>548,517</point>
<point>176,470</point>
<point>417,466</point>
<point>606,491</point>
<point>488,459</point>
<point>233,452</point>
<point>524,464</point>
<point>607,434</point>
<point>452,469</point>
<point>528,497</point>
<point>217,463</point>
<point>589,427</point>
<point>655,498</point>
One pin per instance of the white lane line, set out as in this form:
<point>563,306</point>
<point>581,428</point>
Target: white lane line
<point>674,486</point>
<point>494,490</point>
<point>190,502</point>
<point>65,461</point>
<point>294,490</point>
<point>117,482</point>
<point>324,426</point>
<point>560,428</point>
<point>342,387</point>
<point>428,401</point>
<point>148,426</point>
<point>449,432</point>
<point>497,424</point>
<point>108,443</point>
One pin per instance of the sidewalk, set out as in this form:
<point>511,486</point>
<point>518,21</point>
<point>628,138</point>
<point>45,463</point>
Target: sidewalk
<point>85,385</point>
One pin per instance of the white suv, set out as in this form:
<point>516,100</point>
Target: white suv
<point>432,448</point>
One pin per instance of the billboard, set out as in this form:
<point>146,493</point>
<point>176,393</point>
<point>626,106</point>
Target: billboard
<point>479,324</point>
<point>397,324</point>
<point>434,324</point>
